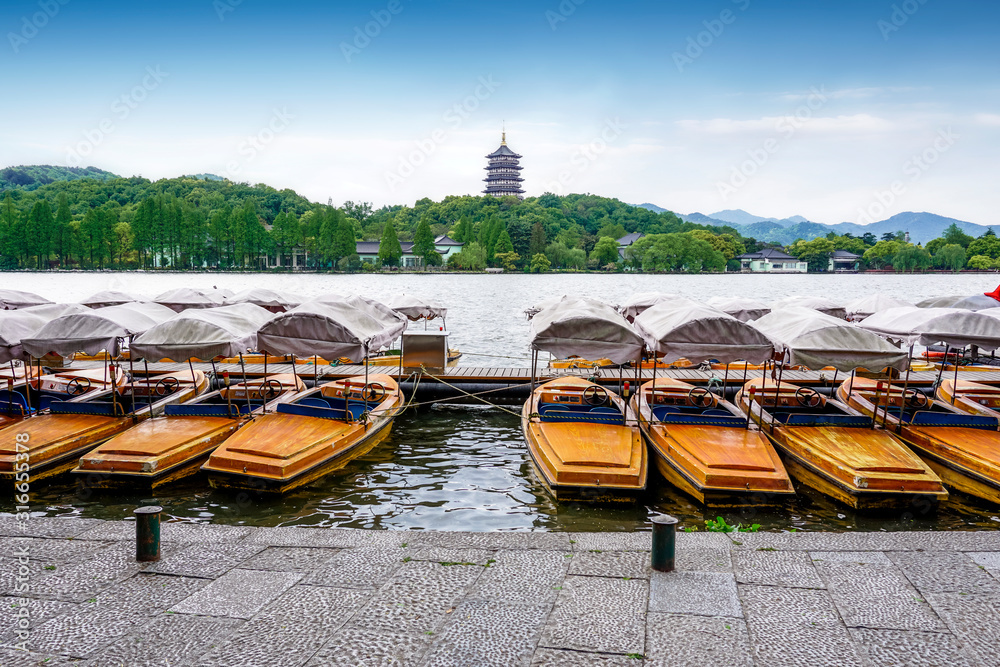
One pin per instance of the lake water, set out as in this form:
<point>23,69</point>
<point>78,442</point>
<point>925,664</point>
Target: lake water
<point>466,468</point>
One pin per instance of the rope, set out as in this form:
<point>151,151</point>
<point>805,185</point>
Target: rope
<point>471,395</point>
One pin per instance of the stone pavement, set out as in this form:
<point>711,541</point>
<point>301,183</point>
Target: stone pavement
<point>270,597</point>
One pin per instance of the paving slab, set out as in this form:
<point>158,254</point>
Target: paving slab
<point>84,579</point>
<point>85,631</point>
<point>290,630</point>
<point>360,567</point>
<point>300,536</point>
<point>168,639</point>
<point>289,559</point>
<point>987,559</point>
<point>146,594</point>
<point>38,526</point>
<point>695,641</point>
<point>38,612</point>
<point>238,593</point>
<point>526,576</point>
<point>874,594</point>
<point>699,593</point>
<point>920,649</point>
<point>884,541</point>
<point>437,554</point>
<point>51,550</point>
<point>550,657</point>
<point>205,560</point>
<point>170,532</point>
<point>944,572</point>
<point>793,569</point>
<point>698,558</point>
<point>18,658</point>
<point>495,540</point>
<point>796,626</point>
<point>353,647</point>
<point>418,598</point>
<point>974,620</point>
<point>643,541</point>
<point>488,634</point>
<point>598,614</point>
<point>630,564</point>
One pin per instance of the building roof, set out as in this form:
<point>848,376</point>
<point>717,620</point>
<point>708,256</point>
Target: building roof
<point>367,247</point>
<point>629,239</point>
<point>444,239</point>
<point>768,254</point>
<point>845,255</point>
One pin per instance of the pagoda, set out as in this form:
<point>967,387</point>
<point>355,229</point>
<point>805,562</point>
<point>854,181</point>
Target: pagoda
<point>503,175</point>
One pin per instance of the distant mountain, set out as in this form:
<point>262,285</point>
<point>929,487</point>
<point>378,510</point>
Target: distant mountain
<point>922,226</point>
<point>205,177</point>
<point>33,176</point>
<point>652,207</point>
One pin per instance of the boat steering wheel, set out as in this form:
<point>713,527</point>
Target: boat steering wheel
<point>915,399</point>
<point>595,395</point>
<point>700,397</point>
<point>77,386</point>
<point>269,389</point>
<point>167,385</point>
<point>373,392</point>
<point>808,398</point>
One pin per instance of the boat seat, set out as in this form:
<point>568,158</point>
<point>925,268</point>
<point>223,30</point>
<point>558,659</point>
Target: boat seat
<point>928,418</point>
<point>567,407</point>
<point>314,402</point>
<point>662,410</point>
<point>99,409</point>
<point>717,413</point>
<point>206,410</point>
<point>598,415</point>
<point>12,402</point>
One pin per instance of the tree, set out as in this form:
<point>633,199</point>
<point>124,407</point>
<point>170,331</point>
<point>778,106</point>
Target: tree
<point>540,263</point>
<point>816,252</point>
<point>980,262</point>
<point>954,234</point>
<point>869,239</point>
<point>471,258</point>
<point>503,243</point>
<point>389,249</point>
<point>934,245</point>
<point>508,260</point>
<point>881,254</point>
<point>911,258</point>
<point>985,245</point>
<point>605,251</point>
<point>536,245</point>
<point>951,256</point>
<point>423,241</point>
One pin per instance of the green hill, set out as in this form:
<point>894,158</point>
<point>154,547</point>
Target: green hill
<point>32,177</point>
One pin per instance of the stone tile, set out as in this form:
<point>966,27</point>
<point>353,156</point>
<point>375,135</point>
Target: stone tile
<point>874,558</point>
<point>944,572</point>
<point>39,526</point>
<point>289,559</point>
<point>488,634</point>
<point>885,541</point>
<point>168,639</point>
<point>146,594</point>
<point>84,579</point>
<point>988,559</point>
<point>631,564</point>
<point>85,631</point>
<point>351,647</point>
<point>290,630</point>
<point>170,532</point>
<point>418,598</point>
<point>921,649</point>
<point>39,611</point>
<point>583,542</point>
<point>335,538</point>
<point>796,626</point>
<point>874,595</point>
<point>211,560</point>
<point>775,568</point>
<point>18,658</point>
<point>692,558</point>
<point>238,594</point>
<point>51,550</point>
<point>696,641</point>
<point>526,576</point>
<point>596,614</point>
<point>549,657</point>
<point>449,555</point>
<point>699,593</point>
<point>359,567</point>
<point>494,540</point>
<point>974,620</point>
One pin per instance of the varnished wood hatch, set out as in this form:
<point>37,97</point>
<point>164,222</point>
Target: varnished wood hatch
<point>583,436</point>
<point>705,447</point>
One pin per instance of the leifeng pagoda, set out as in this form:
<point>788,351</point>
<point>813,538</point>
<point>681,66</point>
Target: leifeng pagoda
<point>503,175</point>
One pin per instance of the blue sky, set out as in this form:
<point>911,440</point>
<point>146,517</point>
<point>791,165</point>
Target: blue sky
<point>836,110</point>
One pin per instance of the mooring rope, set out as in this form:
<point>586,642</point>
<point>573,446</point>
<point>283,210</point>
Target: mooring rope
<point>472,395</point>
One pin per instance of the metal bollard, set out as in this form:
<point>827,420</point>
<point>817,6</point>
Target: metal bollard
<point>664,540</point>
<point>147,534</point>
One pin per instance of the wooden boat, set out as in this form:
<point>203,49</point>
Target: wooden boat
<point>75,382</point>
<point>970,397</point>
<point>963,449</point>
<point>704,446</point>
<point>168,448</point>
<point>584,441</point>
<point>830,447</point>
<point>69,429</point>
<point>577,362</point>
<point>314,433</point>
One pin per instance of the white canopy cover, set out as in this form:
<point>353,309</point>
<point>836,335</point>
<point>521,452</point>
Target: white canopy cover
<point>16,325</point>
<point>861,308</point>
<point>265,298</point>
<point>587,328</point>
<point>12,299</point>
<point>815,340</point>
<point>977,302</point>
<point>930,326</point>
<point>740,307</point>
<point>640,301</point>
<point>183,298</point>
<point>92,331</point>
<point>542,305</point>
<point>415,307</point>
<point>699,332</point>
<point>352,327</point>
<point>821,304</point>
<point>109,298</point>
<point>226,331</point>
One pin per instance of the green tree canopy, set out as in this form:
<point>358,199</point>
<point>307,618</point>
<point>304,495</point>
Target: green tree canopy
<point>389,251</point>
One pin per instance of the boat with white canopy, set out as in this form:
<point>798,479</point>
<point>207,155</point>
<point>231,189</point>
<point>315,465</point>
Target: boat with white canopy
<point>321,429</point>
<point>818,303</point>
<point>826,444</point>
<point>637,303</point>
<point>701,442</point>
<point>185,298</point>
<point>276,302</point>
<point>744,309</point>
<point>109,298</point>
<point>12,299</point>
<point>583,439</point>
<point>859,309</point>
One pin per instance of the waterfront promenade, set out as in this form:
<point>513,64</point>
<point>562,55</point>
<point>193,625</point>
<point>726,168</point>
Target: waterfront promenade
<point>270,597</point>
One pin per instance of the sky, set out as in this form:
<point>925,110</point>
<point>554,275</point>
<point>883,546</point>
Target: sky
<point>835,110</point>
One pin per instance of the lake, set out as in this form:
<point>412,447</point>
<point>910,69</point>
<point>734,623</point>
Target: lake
<point>466,468</point>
